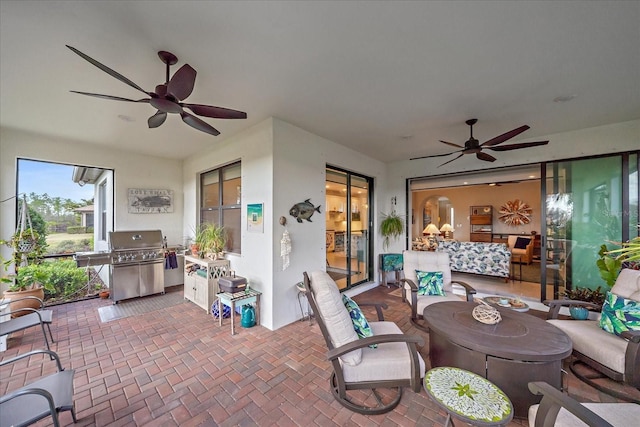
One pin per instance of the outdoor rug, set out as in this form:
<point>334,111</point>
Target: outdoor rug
<point>136,306</point>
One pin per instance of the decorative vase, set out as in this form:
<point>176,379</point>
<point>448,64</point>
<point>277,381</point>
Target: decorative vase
<point>579,313</point>
<point>28,303</point>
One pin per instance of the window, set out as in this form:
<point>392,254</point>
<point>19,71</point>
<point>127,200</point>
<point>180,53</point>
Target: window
<point>220,202</point>
<point>102,204</point>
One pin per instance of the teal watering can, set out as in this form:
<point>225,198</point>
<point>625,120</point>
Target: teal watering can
<point>248,316</point>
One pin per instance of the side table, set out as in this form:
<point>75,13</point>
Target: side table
<point>468,397</point>
<point>239,298</point>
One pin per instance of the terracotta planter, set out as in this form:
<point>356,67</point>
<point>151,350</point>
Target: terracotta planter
<point>29,303</point>
<point>104,294</point>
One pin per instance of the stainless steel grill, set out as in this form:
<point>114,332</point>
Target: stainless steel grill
<point>137,263</point>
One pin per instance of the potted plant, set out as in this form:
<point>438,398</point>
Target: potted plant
<point>608,265</point>
<point>391,227</point>
<point>211,240</point>
<point>594,298</point>
<point>629,254</point>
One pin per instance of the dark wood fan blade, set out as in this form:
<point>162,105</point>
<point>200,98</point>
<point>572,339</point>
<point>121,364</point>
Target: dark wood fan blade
<point>182,82</point>
<point>165,105</point>
<point>215,112</point>
<point>451,144</point>
<point>111,97</point>
<point>433,155</point>
<point>108,70</point>
<point>455,158</point>
<point>504,137</point>
<point>518,146</point>
<point>157,119</point>
<point>196,123</point>
<point>486,157</point>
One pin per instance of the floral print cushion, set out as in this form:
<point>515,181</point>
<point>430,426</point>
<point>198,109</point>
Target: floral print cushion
<point>360,324</point>
<point>620,314</point>
<point>491,259</point>
<point>430,283</point>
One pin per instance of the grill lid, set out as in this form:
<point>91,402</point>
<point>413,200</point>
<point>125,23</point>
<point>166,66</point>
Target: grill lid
<point>135,239</point>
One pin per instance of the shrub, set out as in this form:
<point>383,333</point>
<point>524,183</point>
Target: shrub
<point>76,229</point>
<point>63,278</point>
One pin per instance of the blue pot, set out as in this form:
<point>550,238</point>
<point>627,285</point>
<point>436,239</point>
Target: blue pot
<point>579,313</point>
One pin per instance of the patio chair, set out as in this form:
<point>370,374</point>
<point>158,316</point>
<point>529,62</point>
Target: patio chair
<point>613,356</point>
<point>428,262</point>
<point>394,364</point>
<point>560,410</point>
<point>40,317</point>
<point>49,395</point>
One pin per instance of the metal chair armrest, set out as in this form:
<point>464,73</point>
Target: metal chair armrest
<point>553,400</point>
<point>414,296</point>
<point>52,354</point>
<point>378,306</point>
<point>44,393</point>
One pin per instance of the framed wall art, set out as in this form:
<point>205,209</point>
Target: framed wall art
<point>144,201</point>
<point>255,218</point>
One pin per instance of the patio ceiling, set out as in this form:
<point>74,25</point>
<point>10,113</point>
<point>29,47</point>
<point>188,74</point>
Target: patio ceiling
<point>388,79</point>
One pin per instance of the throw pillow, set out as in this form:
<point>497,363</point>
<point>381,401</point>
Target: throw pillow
<point>360,323</point>
<point>521,243</point>
<point>620,314</point>
<point>430,283</point>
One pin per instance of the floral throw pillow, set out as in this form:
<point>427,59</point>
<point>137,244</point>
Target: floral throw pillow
<point>360,323</point>
<point>430,283</point>
<point>620,314</point>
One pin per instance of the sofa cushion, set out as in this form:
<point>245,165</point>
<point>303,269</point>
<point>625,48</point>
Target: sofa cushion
<point>335,315</point>
<point>430,283</point>
<point>521,243</point>
<point>620,314</point>
<point>358,319</point>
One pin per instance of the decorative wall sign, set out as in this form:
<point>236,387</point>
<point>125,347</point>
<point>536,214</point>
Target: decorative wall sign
<point>255,218</point>
<point>515,212</point>
<point>303,210</point>
<point>149,201</point>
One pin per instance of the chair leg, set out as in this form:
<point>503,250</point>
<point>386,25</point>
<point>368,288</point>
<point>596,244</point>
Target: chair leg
<point>380,408</point>
<point>50,334</point>
<point>590,379</point>
<point>44,332</point>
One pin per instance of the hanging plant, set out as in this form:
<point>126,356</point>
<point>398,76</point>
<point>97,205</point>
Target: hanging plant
<point>391,227</point>
<point>515,213</point>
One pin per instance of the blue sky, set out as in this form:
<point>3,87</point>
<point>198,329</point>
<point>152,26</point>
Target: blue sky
<point>51,178</point>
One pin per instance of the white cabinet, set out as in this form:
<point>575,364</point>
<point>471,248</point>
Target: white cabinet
<point>201,279</point>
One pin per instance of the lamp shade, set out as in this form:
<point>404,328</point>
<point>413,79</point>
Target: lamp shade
<point>431,229</point>
<point>446,228</point>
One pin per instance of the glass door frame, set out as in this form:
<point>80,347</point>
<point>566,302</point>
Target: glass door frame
<point>367,231</point>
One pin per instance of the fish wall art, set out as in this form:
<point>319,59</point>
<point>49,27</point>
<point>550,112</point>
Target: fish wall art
<point>303,210</point>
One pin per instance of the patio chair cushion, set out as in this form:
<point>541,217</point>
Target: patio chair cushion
<point>628,284</point>
<point>430,283</point>
<point>360,324</point>
<point>335,315</point>
<point>589,339</point>
<point>617,414</point>
<point>390,361</point>
<point>427,261</point>
<point>620,314</point>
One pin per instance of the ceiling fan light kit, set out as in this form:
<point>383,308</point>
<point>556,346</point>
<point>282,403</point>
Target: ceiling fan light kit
<point>473,146</point>
<point>168,97</point>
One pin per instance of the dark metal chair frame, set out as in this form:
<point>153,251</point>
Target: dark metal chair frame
<point>33,317</point>
<point>49,395</point>
<point>339,387</point>
<point>631,374</point>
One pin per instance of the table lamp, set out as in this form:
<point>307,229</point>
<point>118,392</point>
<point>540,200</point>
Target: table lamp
<point>431,229</point>
<point>446,229</point>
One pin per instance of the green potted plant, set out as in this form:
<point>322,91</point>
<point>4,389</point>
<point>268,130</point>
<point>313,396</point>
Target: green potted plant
<point>391,227</point>
<point>608,265</point>
<point>211,240</point>
<point>629,253</point>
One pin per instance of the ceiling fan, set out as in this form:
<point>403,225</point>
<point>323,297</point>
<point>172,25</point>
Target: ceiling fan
<point>473,145</point>
<point>168,96</point>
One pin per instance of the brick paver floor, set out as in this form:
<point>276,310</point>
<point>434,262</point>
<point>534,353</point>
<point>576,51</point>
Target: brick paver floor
<point>177,367</point>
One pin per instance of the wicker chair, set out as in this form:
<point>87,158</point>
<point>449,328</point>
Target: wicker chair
<point>394,364</point>
<point>428,261</point>
<point>616,357</point>
<point>558,409</point>
<point>47,396</point>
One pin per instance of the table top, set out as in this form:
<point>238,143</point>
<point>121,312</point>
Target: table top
<point>468,396</point>
<point>519,336</point>
<point>239,295</point>
<point>513,304</point>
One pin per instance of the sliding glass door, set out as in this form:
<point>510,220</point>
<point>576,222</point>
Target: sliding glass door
<point>348,227</point>
<point>586,203</point>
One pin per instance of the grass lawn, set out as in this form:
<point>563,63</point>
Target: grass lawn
<point>69,243</point>
<point>59,237</point>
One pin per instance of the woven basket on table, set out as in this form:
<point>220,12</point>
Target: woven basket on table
<point>484,313</point>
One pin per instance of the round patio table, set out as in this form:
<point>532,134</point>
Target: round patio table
<point>468,397</point>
